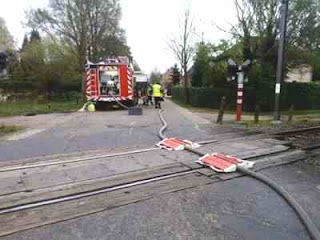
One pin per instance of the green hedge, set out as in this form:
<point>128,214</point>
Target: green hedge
<point>302,95</point>
<point>202,97</point>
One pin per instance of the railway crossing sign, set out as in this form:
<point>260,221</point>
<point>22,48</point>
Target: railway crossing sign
<point>239,72</point>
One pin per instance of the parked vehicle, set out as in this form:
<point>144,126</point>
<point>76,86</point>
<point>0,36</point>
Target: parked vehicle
<point>109,81</point>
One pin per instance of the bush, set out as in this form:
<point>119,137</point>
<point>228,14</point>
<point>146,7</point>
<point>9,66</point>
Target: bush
<point>302,95</point>
<point>64,89</point>
<point>204,97</point>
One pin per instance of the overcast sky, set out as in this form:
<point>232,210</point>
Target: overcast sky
<point>148,24</point>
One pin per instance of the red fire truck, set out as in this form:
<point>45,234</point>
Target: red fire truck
<point>110,80</point>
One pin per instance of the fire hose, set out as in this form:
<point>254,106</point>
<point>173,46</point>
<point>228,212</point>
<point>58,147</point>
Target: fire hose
<point>302,214</point>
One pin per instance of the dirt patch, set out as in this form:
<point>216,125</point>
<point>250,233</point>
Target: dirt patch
<point>303,140</point>
<point>8,129</point>
<point>314,161</point>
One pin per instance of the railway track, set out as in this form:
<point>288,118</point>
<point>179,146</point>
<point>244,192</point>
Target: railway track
<point>85,194</point>
<point>127,185</point>
<point>84,159</point>
<point>307,139</point>
<point>297,131</point>
<point>29,210</point>
<point>91,193</point>
<point>102,156</point>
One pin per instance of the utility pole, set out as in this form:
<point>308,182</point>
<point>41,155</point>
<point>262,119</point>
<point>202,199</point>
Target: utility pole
<point>281,54</point>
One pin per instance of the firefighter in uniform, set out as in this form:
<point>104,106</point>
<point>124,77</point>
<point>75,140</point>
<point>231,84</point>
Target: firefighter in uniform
<point>150,93</point>
<point>157,94</point>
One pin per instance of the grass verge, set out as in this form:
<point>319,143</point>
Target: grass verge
<point>296,113</point>
<point>198,109</point>
<point>32,108</point>
<point>268,124</point>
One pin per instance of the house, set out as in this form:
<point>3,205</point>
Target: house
<point>301,73</point>
<point>166,79</point>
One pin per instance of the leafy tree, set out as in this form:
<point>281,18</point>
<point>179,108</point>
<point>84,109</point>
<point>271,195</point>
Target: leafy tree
<point>316,66</point>
<point>34,36</point>
<point>136,66</point>
<point>33,65</point>
<point>258,29</point>
<point>304,25</point>
<point>155,76</point>
<point>6,47</point>
<point>175,75</point>
<point>88,27</point>
<point>201,64</point>
<point>210,65</point>
<point>25,43</point>
<point>47,66</point>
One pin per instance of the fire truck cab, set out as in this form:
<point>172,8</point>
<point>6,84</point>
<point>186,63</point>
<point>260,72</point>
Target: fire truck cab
<point>110,80</point>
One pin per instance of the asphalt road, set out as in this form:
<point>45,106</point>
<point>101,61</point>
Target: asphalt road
<point>78,132</point>
<point>241,208</point>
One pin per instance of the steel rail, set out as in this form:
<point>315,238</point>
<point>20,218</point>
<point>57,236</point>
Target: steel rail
<point>80,195</point>
<point>7,169</point>
<point>301,213</point>
<point>15,168</point>
<point>91,193</point>
<point>298,130</point>
<point>161,136</point>
<point>311,147</point>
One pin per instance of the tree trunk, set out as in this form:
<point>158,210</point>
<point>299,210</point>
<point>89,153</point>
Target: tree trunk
<point>186,87</point>
<point>221,110</point>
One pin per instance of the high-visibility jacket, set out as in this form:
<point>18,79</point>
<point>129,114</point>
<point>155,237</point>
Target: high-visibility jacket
<point>91,107</point>
<point>157,90</point>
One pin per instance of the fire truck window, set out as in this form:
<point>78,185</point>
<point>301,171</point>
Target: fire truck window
<point>109,83</point>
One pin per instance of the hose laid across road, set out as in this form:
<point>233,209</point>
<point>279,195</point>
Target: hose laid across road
<point>164,125</point>
<point>302,214</point>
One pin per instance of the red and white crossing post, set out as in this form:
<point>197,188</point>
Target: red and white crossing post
<point>240,94</point>
<point>238,71</point>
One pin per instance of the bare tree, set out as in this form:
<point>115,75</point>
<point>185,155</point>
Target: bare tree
<point>183,49</point>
